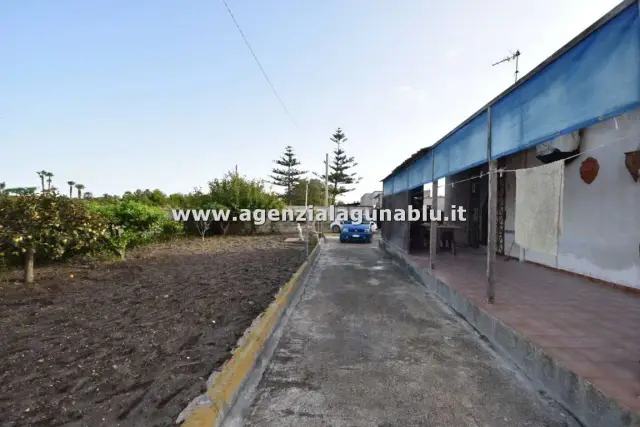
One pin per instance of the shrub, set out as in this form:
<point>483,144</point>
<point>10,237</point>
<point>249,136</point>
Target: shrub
<point>170,228</point>
<point>132,215</point>
<point>47,223</point>
<point>133,223</point>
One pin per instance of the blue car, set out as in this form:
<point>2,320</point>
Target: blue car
<point>356,233</point>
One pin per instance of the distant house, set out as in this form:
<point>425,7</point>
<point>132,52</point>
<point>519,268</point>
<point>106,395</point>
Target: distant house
<point>373,199</point>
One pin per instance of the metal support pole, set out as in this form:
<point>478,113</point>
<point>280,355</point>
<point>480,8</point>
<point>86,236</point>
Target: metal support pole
<point>326,188</point>
<point>433,233</point>
<point>326,180</point>
<point>306,225</point>
<point>492,217</point>
<point>522,255</point>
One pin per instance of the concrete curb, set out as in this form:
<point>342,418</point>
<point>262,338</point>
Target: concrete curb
<point>587,404</point>
<point>211,409</point>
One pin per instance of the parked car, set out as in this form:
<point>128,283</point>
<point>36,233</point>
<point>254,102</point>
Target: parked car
<point>336,226</point>
<point>356,233</point>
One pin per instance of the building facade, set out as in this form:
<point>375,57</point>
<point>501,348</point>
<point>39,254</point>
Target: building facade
<point>373,199</point>
<point>589,89</point>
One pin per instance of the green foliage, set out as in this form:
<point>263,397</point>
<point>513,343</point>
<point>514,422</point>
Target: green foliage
<point>170,228</point>
<point>148,197</point>
<point>177,200</point>
<point>287,175</point>
<point>315,195</point>
<point>47,223</point>
<point>340,176</point>
<point>71,184</point>
<point>79,187</point>
<point>236,193</point>
<point>119,240</point>
<point>134,223</point>
<point>19,191</point>
<point>132,215</point>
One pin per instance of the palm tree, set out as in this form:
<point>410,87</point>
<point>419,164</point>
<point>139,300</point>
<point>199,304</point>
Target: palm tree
<point>71,184</point>
<point>42,174</point>
<point>79,187</point>
<point>49,176</point>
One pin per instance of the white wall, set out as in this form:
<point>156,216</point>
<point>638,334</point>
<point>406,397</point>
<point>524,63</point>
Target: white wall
<point>366,200</point>
<point>601,221</point>
<point>371,199</point>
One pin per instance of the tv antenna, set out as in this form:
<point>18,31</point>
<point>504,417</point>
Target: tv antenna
<point>511,58</point>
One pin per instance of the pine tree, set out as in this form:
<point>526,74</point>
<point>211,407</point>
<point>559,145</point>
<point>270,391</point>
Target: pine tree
<point>288,175</point>
<point>339,169</point>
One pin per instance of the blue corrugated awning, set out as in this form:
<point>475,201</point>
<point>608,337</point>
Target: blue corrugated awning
<point>593,78</point>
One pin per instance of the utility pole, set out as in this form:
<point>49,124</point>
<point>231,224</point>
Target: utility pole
<point>306,225</point>
<point>326,187</point>
<point>511,58</point>
<point>326,180</point>
<point>326,190</point>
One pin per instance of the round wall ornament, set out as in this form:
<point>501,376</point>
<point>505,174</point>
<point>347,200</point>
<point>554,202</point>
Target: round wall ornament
<point>589,170</point>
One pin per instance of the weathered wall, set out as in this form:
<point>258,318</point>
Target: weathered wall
<point>371,199</point>
<point>397,232</point>
<point>601,220</point>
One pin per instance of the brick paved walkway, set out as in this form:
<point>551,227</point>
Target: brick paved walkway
<point>589,328</point>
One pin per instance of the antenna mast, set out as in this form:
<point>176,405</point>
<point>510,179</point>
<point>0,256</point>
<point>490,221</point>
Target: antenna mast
<point>511,58</point>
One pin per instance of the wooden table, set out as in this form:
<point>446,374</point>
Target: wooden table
<point>443,227</point>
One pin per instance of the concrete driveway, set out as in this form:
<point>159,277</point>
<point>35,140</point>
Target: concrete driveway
<point>367,346</point>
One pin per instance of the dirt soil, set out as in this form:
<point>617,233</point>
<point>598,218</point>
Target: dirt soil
<point>131,343</point>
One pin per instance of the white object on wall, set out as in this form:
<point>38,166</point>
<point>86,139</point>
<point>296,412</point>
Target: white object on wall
<point>565,143</point>
<point>539,194</point>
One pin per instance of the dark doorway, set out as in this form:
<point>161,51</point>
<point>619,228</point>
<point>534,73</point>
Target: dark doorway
<point>478,208</point>
<point>416,239</point>
<point>475,217</point>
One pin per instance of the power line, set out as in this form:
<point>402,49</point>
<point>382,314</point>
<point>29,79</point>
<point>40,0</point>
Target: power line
<point>264,73</point>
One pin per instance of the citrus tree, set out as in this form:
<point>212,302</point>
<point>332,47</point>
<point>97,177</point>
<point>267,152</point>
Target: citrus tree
<point>46,223</point>
<point>133,223</point>
<point>237,194</point>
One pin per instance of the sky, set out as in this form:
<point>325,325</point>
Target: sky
<point>120,94</point>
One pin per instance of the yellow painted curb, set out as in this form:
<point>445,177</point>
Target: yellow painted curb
<point>236,370</point>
